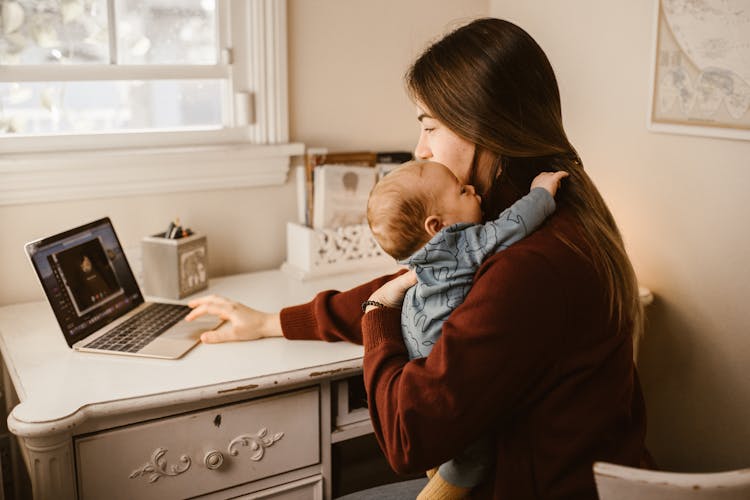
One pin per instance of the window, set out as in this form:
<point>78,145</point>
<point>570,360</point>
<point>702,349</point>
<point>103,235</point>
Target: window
<point>88,66</point>
<point>140,76</point>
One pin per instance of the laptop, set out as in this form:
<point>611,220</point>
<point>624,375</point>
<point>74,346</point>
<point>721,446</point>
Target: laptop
<point>98,303</point>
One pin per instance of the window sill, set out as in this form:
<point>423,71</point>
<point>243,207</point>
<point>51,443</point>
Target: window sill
<point>60,176</point>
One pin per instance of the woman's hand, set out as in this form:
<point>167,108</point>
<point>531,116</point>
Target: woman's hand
<point>392,293</point>
<point>245,323</point>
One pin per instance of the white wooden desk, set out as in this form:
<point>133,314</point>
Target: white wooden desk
<point>205,425</point>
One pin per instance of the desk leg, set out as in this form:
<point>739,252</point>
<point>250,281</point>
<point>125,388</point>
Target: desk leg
<point>49,461</point>
<point>325,438</point>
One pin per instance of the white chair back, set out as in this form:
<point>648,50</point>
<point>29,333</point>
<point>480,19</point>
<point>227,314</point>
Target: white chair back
<point>617,482</point>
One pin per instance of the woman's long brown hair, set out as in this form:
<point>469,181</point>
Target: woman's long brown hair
<point>491,83</point>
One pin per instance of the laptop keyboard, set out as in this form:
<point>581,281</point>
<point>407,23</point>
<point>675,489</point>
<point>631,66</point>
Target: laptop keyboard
<point>138,331</point>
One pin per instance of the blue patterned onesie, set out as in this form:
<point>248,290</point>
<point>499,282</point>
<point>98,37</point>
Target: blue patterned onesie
<point>445,269</point>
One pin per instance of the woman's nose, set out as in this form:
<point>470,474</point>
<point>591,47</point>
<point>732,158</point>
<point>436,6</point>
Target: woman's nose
<point>422,151</point>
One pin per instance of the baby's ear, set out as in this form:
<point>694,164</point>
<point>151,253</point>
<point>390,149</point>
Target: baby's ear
<point>433,225</point>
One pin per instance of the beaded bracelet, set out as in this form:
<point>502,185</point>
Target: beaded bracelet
<point>371,303</point>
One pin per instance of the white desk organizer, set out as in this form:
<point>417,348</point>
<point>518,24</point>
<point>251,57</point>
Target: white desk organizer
<point>322,252</point>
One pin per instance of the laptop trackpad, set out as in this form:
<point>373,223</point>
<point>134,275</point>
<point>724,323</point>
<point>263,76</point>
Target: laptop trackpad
<point>179,339</point>
<point>191,330</point>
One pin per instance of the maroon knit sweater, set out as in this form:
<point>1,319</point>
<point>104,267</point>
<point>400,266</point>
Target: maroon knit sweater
<point>531,358</point>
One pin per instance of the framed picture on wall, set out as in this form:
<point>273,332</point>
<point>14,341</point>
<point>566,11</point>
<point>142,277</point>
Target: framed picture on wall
<point>700,81</point>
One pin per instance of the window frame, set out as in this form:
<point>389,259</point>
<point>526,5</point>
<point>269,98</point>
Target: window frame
<point>252,56</point>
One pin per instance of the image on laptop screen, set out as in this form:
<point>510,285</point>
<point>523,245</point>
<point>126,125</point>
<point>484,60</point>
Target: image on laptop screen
<point>87,275</point>
<point>86,278</point>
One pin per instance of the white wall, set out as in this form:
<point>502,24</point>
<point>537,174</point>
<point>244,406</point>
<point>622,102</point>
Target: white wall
<point>681,204</point>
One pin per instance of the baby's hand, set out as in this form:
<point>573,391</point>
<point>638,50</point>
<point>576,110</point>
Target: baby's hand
<point>549,181</point>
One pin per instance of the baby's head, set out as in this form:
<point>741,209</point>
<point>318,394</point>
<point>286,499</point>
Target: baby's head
<point>414,202</point>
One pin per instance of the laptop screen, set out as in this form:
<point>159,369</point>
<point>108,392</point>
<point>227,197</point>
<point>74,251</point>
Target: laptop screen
<point>86,278</point>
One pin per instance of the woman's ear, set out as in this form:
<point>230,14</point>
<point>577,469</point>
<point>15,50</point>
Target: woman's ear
<point>433,224</point>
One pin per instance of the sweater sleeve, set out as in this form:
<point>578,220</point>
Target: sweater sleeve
<point>331,315</point>
<point>491,354</point>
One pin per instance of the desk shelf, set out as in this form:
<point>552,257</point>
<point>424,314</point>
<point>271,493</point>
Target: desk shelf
<point>352,417</point>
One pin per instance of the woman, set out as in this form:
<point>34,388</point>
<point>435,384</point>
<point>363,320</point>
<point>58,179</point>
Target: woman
<point>540,353</point>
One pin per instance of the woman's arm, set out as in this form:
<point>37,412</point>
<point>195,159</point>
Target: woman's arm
<point>492,352</point>
<point>330,316</point>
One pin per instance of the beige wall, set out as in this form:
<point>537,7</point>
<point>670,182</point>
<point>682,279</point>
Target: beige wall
<point>346,60</point>
<point>238,238</point>
<point>681,204</point>
<point>346,63</point>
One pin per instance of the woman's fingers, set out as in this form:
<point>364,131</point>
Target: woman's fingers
<point>212,304</point>
<point>392,293</point>
<point>221,334</point>
<point>402,283</point>
<point>409,279</point>
<point>208,299</point>
<point>204,309</point>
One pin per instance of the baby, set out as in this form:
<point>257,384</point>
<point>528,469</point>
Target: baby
<point>424,217</point>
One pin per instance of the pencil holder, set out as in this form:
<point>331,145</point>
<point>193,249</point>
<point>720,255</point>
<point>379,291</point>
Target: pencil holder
<point>322,252</point>
<point>174,268</point>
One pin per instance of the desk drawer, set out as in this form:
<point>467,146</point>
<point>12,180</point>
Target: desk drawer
<point>196,453</point>
<point>305,489</point>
